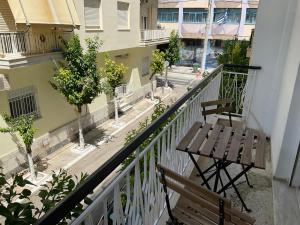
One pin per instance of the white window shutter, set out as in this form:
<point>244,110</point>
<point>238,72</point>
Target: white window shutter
<point>123,15</point>
<point>92,13</point>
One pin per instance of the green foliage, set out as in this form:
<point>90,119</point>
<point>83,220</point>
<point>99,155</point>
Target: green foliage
<point>234,52</point>
<point>113,74</point>
<point>157,63</point>
<point>23,125</point>
<point>25,212</point>
<point>78,78</point>
<point>159,109</point>
<point>173,50</point>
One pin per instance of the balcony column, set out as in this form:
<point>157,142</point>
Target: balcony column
<point>180,18</point>
<point>243,18</point>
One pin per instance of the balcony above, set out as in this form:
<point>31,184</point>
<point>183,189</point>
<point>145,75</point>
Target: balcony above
<point>17,48</point>
<point>154,37</point>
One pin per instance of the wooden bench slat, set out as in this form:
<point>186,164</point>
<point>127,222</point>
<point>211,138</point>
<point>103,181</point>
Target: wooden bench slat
<point>189,136</point>
<point>201,191</point>
<point>216,102</point>
<point>260,151</point>
<point>184,204</point>
<point>199,218</point>
<point>234,149</point>
<point>247,150</point>
<point>217,110</point>
<point>184,218</point>
<point>223,141</point>
<point>213,137</point>
<point>197,142</point>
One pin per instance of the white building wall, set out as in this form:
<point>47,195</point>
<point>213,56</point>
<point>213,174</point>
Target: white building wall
<point>275,49</point>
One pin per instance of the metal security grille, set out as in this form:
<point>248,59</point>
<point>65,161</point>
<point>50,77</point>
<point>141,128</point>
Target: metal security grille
<point>23,102</point>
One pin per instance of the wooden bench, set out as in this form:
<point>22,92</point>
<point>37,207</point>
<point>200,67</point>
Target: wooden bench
<point>198,205</point>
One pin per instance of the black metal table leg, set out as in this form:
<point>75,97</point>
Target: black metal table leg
<point>247,179</point>
<point>205,181</point>
<point>231,183</point>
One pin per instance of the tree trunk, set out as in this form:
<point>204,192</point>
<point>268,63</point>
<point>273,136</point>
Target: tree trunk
<point>152,88</point>
<point>80,133</point>
<point>30,162</point>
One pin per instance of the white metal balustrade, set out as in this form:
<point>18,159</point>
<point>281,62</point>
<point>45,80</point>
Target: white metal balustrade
<point>159,35</point>
<point>26,43</point>
<point>135,195</point>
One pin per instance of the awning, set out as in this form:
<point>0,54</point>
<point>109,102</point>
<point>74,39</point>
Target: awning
<point>56,12</point>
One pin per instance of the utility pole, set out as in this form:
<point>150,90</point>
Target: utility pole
<point>207,28</point>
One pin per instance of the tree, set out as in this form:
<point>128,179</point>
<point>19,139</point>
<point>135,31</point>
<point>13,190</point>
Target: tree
<point>173,51</point>
<point>234,52</point>
<point>157,66</point>
<point>26,212</point>
<point>78,78</point>
<point>113,74</point>
<point>22,125</point>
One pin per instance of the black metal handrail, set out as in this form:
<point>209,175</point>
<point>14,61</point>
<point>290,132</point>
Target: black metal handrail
<point>57,213</point>
<point>242,67</point>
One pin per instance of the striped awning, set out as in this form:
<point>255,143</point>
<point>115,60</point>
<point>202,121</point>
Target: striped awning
<point>51,12</point>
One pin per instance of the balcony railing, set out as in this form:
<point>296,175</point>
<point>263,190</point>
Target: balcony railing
<point>149,37</point>
<point>135,195</point>
<point>27,43</point>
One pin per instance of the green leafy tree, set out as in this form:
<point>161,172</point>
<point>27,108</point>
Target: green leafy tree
<point>22,126</point>
<point>172,54</point>
<point>25,212</point>
<point>113,74</point>
<point>78,78</point>
<point>234,52</point>
<point>156,66</point>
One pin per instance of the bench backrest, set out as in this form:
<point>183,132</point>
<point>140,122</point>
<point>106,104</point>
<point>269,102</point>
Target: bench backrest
<point>206,199</point>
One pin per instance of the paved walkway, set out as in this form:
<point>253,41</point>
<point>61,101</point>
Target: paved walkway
<point>107,138</point>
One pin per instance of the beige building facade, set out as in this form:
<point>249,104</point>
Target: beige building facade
<point>30,47</point>
<point>228,19</point>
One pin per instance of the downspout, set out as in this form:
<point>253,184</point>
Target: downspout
<point>26,19</point>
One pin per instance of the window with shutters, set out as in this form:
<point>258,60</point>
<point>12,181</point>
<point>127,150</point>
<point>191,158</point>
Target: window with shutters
<point>145,66</point>
<point>92,14</point>
<point>123,15</point>
<point>23,102</point>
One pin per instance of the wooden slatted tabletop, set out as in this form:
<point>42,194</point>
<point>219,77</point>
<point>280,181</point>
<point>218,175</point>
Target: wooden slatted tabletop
<point>241,146</point>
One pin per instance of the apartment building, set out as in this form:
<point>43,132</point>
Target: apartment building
<point>228,19</point>
<point>30,46</point>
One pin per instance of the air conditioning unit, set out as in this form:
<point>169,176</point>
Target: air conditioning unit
<point>4,84</point>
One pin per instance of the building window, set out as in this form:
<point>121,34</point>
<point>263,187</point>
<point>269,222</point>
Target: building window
<point>123,15</point>
<point>23,102</point>
<point>145,66</point>
<point>251,16</point>
<point>92,14</point>
<point>222,16</point>
<point>194,15</point>
<point>168,15</point>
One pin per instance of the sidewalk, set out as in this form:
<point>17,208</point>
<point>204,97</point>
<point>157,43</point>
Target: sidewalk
<point>107,138</point>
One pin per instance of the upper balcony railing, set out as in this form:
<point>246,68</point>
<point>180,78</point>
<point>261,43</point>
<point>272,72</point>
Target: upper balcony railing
<point>134,195</point>
<point>28,43</point>
<point>152,37</point>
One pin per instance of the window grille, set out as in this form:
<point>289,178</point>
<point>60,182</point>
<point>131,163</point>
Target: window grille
<point>23,102</point>
<point>231,15</point>
<point>168,15</point>
<point>191,15</point>
<point>251,16</point>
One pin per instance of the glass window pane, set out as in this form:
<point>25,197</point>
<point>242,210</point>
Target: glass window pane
<point>251,16</point>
